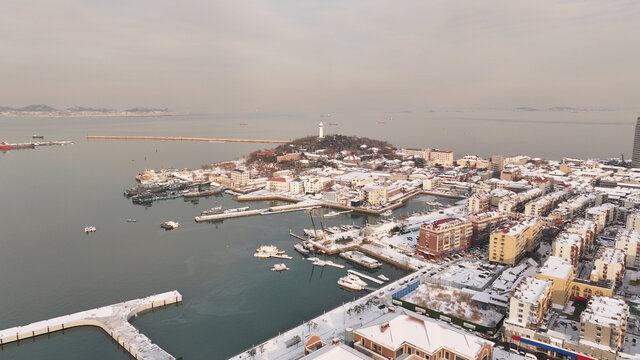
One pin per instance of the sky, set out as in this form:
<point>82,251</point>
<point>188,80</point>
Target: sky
<point>302,55</point>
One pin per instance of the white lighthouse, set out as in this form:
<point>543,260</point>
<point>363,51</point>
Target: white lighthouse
<point>320,130</point>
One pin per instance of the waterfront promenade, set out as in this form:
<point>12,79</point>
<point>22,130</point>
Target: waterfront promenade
<point>180,138</point>
<point>113,319</point>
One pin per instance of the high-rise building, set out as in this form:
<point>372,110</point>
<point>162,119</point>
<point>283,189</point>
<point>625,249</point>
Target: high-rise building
<point>635,158</point>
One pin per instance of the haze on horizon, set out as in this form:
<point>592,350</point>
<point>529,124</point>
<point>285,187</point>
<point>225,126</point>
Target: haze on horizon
<point>322,56</point>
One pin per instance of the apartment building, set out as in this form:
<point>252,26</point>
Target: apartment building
<point>528,305</point>
<point>278,184</point>
<point>479,202</point>
<point>603,215</point>
<point>633,221</point>
<point>569,246</point>
<point>560,272</point>
<point>511,241</point>
<point>483,224</point>
<point>610,264</point>
<point>603,324</point>
<point>587,229</point>
<point>240,177</point>
<point>444,237</point>
<point>629,242</point>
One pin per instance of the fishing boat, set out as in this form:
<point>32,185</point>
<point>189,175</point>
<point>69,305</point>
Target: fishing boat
<point>346,282</point>
<point>383,278</point>
<point>89,229</point>
<point>170,225</point>
<point>279,267</point>
<point>6,146</point>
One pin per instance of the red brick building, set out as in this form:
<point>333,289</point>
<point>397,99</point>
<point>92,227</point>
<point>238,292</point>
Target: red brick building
<point>444,237</point>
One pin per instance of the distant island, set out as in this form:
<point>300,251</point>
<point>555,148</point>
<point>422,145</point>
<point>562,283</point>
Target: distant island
<point>41,110</point>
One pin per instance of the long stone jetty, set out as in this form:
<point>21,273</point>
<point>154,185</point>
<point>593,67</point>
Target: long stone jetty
<point>180,138</point>
<point>113,319</point>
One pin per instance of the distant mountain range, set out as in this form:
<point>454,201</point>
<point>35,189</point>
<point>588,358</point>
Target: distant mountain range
<point>46,110</point>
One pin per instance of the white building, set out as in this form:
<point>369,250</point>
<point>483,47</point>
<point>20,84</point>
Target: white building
<point>529,303</point>
<point>569,246</point>
<point>633,221</point>
<point>603,215</point>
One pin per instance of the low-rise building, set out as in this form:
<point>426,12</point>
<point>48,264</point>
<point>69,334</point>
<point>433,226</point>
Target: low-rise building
<point>441,157</point>
<point>407,335</point>
<point>541,206</point>
<point>511,241</point>
<point>240,177</point>
<point>473,161</point>
<point>444,237</point>
<point>278,184</point>
<point>431,183</point>
<point>296,186</point>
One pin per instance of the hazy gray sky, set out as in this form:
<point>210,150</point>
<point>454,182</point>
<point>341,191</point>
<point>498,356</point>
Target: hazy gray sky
<point>297,55</point>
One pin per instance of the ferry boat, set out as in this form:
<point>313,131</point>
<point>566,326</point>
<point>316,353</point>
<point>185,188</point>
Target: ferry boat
<point>6,146</point>
<point>170,225</point>
<point>89,229</point>
<point>346,282</point>
<point>383,278</point>
<point>279,267</point>
<point>361,259</point>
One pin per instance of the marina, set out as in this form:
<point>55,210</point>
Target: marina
<point>113,319</point>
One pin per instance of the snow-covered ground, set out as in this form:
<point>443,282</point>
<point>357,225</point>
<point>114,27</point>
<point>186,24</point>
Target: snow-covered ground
<point>453,302</point>
<point>469,273</point>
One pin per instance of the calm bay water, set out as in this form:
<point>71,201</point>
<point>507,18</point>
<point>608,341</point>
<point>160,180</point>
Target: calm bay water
<point>49,267</point>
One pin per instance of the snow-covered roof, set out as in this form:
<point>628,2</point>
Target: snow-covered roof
<point>531,289</point>
<point>605,311</point>
<point>628,236</point>
<point>422,332</point>
<point>556,267</point>
<point>611,255</point>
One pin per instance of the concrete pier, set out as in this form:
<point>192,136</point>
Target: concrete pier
<point>113,319</point>
<point>180,138</point>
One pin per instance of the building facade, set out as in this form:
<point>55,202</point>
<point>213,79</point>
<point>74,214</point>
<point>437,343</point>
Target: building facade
<point>444,237</point>
<point>510,242</point>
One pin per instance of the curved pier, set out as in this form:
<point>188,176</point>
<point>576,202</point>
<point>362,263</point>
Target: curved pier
<point>113,319</point>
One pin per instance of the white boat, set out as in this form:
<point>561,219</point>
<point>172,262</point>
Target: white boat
<point>170,225</point>
<point>267,251</point>
<point>331,263</point>
<point>383,278</point>
<point>346,282</point>
<point>387,213</point>
<point>279,267</point>
<point>357,280</point>
<point>131,220</point>
<point>89,229</point>
<point>319,263</point>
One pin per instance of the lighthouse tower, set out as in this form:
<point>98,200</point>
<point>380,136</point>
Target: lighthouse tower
<point>320,130</point>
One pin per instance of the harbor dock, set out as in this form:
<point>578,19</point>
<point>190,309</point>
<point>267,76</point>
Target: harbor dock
<point>229,215</point>
<point>113,319</point>
<point>377,281</point>
<point>180,138</point>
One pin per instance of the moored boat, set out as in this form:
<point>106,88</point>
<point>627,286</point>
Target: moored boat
<point>170,225</point>
<point>346,282</point>
<point>6,146</point>
<point>383,278</point>
<point>279,267</point>
<point>89,229</point>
